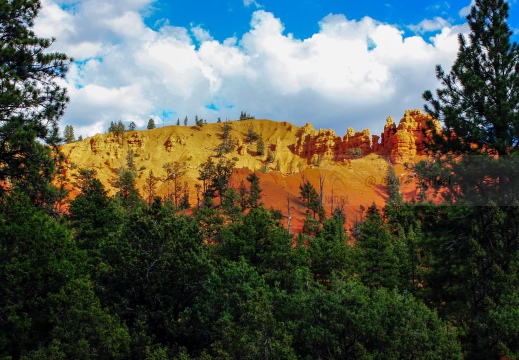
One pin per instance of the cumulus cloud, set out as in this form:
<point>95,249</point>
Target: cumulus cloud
<point>429,25</point>
<point>349,73</point>
<point>248,3</point>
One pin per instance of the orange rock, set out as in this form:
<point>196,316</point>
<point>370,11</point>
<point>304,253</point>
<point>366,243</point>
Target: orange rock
<point>350,180</point>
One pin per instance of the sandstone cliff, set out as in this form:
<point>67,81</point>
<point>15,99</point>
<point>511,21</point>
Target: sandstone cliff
<point>353,166</point>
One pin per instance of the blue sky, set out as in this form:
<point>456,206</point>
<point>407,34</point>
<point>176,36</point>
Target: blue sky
<point>335,63</point>
<point>301,18</point>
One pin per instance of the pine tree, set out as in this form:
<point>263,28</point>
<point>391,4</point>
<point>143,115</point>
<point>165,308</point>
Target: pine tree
<point>251,134</point>
<point>132,126</point>
<point>260,146</point>
<point>480,95</point>
<point>174,172</point>
<point>31,101</point>
<point>126,185</point>
<point>255,191</point>
<point>120,128</point>
<point>150,187</point>
<point>68,134</point>
<point>112,127</point>
<point>185,121</point>
<point>377,264</point>
<point>151,124</point>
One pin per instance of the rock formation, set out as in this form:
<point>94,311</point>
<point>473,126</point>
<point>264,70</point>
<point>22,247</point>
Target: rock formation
<point>406,140</point>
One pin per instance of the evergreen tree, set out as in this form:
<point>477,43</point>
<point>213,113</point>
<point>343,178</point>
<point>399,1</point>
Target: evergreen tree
<point>48,306</point>
<point>68,134</point>
<point>185,121</point>
<point>174,173</point>
<point>206,174</point>
<point>260,149</point>
<point>31,101</point>
<point>184,201</point>
<point>329,251</point>
<point>251,135</point>
<point>254,191</point>
<point>150,187</point>
<point>478,101</point>
<point>151,124</point>
<point>311,199</point>
<point>112,127</point>
<point>178,122</point>
<point>393,207</point>
<point>132,126</point>
<point>119,128</point>
<point>130,160</point>
<point>377,264</point>
<point>242,195</point>
<point>227,145</point>
<point>126,185</point>
<point>222,174</point>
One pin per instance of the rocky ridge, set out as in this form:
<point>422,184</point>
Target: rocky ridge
<point>353,166</point>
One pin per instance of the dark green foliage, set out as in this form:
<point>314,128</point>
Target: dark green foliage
<point>351,321</point>
<point>125,182</point>
<point>38,258</point>
<point>473,274</point>
<point>252,135</point>
<point>227,145</point>
<point>92,214</point>
<point>82,327</point>
<point>330,253</point>
<point>311,198</point>
<point>48,307</point>
<point>199,122</point>
<point>132,126</point>
<point>230,205</point>
<point>151,124</point>
<point>215,177</point>
<point>31,101</point>
<point>260,146</point>
<point>117,128</point>
<point>245,116</point>
<point>254,191</point>
<point>377,263</point>
<point>241,323</point>
<point>154,269</point>
<point>479,97</point>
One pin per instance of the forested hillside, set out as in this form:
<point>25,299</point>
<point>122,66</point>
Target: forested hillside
<point>140,276</point>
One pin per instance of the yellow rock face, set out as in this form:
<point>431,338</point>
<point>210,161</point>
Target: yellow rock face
<point>289,151</point>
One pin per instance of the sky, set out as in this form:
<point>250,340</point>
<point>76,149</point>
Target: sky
<point>334,63</point>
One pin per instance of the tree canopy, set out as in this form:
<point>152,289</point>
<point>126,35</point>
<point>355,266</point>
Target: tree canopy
<point>479,100</point>
<point>31,101</point>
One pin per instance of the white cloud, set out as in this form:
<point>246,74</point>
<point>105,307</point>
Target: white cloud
<point>200,34</point>
<point>349,73</point>
<point>248,3</point>
<point>430,25</point>
<point>466,10</point>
